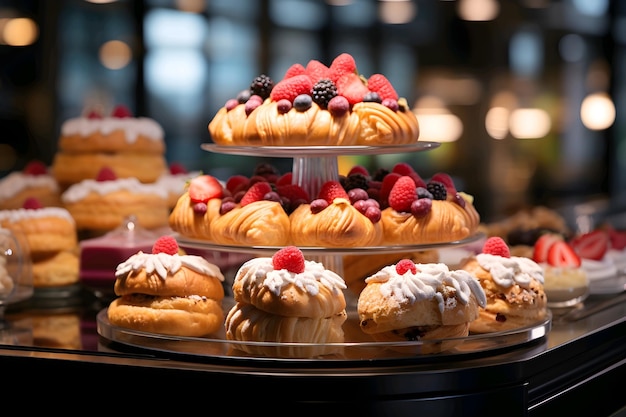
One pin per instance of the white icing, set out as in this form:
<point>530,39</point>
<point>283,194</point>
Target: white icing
<point>15,182</point>
<point>132,126</point>
<point>260,271</point>
<point>426,284</point>
<point>164,264</point>
<point>79,191</point>
<point>25,214</point>
<point>509,271</point>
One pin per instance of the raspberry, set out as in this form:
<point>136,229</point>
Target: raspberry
<point>293,192</point>
<point>295,69</point>
<point>237,183</point>
<point>290,88</point>
<point>262,86</point>
<point>316,70</point>
<point>338,106</point>
<point>359,169</point>
<point>32,203</point>
<point>331,190</point>
<point>405,265</point>
<point>121,111</point>
<point>446,180</point>
<point>165,244</point>
<point>378,83</point>
<point>289,258</point>
<point>342,64</point>
<point>255,193</point>
<point>387,184</point>
<point>495,245</point>
<point>106,174</point>
<point>438,190</point>
<point>402,194</point>
<point>35,168</point>
<point>286,178</point>
<point>403,168</point>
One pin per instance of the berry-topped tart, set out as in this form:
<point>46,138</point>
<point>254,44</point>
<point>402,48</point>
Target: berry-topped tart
<point>317,105</point>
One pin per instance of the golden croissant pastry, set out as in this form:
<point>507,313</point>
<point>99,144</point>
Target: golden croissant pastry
<point>186,221</point>
<point>338,225</point>
<point>368,123</point>
<point>447,221</point>
<point>261,223</point>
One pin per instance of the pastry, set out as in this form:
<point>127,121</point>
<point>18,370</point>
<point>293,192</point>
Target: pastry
<point>103,203</point>
<point>332,220</point>
<point>168,293</point>
<point>317,105</point>
<point>513,286</point>
<point>175,181</point>
<point>427,212</point>
<point>51,238</point>
<point>287,299</point>
<point>32,182</point>
<point>419,302</point>
<point>133,147</point>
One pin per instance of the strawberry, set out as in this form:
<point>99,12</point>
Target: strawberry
<point>237,183</point>
<point>342,64</point>
<point>121,111</point>
<point>106,174</point>
<point>592,245</point>
<point>331,190</point>
<point>256,192</point>
<point>177,168</point>
<point>165,244</point>
<point>617,238</point>
<point>359,169</point>
<point>32,203</point>
<point>316,70</point>
<point>351,86</point>
<point>405,265</point>
<point>293,192</point>
<point>446,180</point>
<point>542,246</point>
<point>495,245</point>
<point>403,168</point>
<point>35,168</point>
<point>290,258</point>
<point>402,194</point>
<point>286,178</point>
<point>561,254</point>
<point>378,83</point>
<point>290,88</point>
<point>295,69</point>
<point>203,188</point>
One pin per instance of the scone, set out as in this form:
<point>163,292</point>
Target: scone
<point>295,305</point>
<point>419,302</point>
<point>168,293</point>
<point>513,285</point>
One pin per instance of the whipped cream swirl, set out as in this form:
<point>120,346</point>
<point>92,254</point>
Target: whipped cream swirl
<point>164,264</point>
<point>79,191</point>
<point>133,127</point>
<point>260,271</point>
<point>20,214</point>
<point>507,272</point>
<point>427,283</point>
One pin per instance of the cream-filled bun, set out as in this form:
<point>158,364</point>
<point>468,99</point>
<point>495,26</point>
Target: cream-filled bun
<point>168,293</point>
<point>419,302</point>
<point>513,286</point>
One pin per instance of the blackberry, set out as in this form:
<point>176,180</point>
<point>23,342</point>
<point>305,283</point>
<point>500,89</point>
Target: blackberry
<point>262,86</point>
<point>323,91</point>
<point>379,174</point>
<point>355,181</point>
<point>437,189</point>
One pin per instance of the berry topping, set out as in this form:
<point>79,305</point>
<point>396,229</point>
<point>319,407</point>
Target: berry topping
<point>405,265</point>
<point>243,96</point>
<point>290,258</point>
<point>317,70</point>
<point>378,83</point>
<point>200,208</point>
<point>446,180</point>
<point>295,69</point>
<point>256,192</point>
<point>165,244</point>
<point>387,184</point>
<point>342,64</point>
<point>94,114</point>
<point>318,205</point>
<point>231,104</point>
<point>323,91</point>
<point>237,183</point>
<point>106,174</point>
<point>359,169</point>
<point>338,106</point>
<point>286,178</point>
<point>283,106</point>
<point>592,245</point>
<point>372,98</point>
<point>391,104</point>
<point>32,203</point>
<point>402,194</point>
<point>203,188</point>
<point>177,168</point>
<point>421,207</point>
<point>403,168</point>
<point>290,88</point>
<point>293,192</point>
<point>331,190</point>
<point>437,189</point>
<point>303,102</point>
<point>561,254</point>
<point>121,111</point>
<point>496,246</point>
<point>542,246</point>
<point>617,238</point>
<point>262,86</point>
<point>35,168</point>
<point>351,86</point>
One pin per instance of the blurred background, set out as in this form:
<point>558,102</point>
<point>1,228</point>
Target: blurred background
<point>525,95</point>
